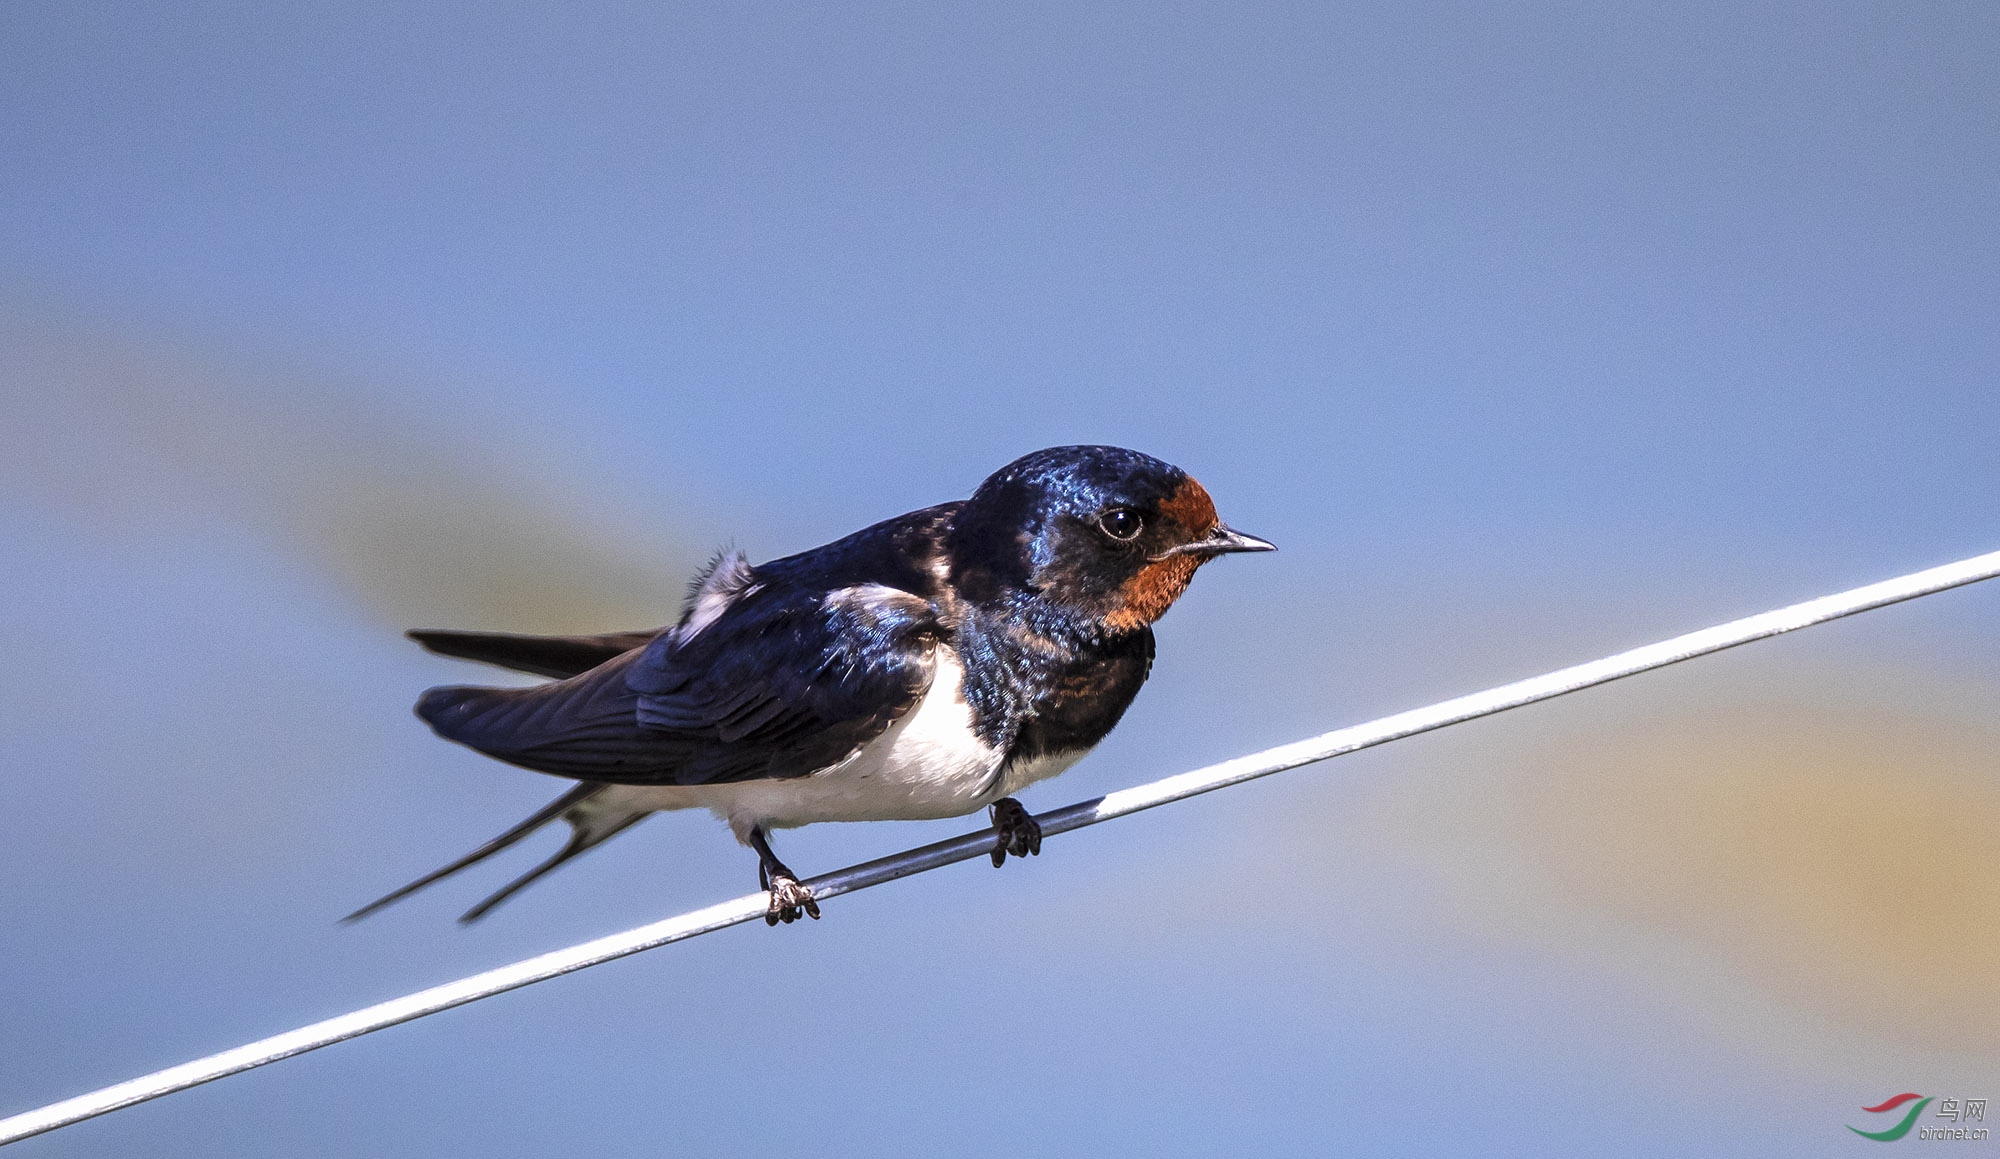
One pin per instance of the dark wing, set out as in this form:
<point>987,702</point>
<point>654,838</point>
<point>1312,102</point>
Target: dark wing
<point>780,683</point>
<point>557,656</point>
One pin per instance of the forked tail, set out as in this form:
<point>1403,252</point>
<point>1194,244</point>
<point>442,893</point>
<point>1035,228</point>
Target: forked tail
<point>588,827</point>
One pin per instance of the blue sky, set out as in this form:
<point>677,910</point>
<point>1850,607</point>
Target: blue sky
<point>1528,333</point>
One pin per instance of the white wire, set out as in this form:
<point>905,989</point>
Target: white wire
<point>1118,804</point>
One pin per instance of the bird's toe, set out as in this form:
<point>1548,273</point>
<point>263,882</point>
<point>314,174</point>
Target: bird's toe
<point>1015,831</point>
<point>790,900</point>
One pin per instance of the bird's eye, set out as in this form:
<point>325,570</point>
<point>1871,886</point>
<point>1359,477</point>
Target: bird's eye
<point>1121,523</point>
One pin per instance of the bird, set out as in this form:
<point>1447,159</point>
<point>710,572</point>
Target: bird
<point>928,666</point>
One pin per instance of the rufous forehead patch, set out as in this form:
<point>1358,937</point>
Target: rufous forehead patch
<point>1191,507</point>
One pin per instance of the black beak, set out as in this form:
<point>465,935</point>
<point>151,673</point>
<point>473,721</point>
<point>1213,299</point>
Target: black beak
<point>1221,541</point>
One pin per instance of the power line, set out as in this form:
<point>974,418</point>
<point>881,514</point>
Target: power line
<point>885,869</point>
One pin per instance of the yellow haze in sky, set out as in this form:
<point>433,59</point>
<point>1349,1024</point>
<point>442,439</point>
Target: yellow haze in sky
<point>1824,843</point>
<point>428,524</point>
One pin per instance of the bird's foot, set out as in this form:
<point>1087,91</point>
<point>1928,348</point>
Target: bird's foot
<point>789,896</point>
<point>1015,831</point>
<point>790,900</point>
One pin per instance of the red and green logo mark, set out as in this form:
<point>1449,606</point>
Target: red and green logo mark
<point>1900,1129</point>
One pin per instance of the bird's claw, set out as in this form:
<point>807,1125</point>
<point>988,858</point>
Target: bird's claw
<point>1015,831</point>
<point>789,900</point>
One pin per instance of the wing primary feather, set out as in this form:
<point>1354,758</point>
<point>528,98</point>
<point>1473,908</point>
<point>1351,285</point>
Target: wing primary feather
<point>539,818</point>
<point>559,657</point>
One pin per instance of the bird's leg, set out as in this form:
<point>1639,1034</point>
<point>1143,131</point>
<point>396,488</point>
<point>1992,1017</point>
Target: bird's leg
<point>789,898</point>
<point>1016,831</point>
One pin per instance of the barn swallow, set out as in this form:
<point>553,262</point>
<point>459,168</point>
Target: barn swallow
<point>929,666</point>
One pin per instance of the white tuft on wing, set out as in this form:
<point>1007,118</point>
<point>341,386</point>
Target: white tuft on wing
<point>727,579</point>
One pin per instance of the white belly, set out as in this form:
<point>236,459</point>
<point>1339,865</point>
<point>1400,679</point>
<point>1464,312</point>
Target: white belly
<point>1019,775</point>
<point>927,765</point>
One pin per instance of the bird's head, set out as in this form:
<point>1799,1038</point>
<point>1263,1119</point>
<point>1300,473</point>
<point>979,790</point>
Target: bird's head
<point>1104,534</point>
